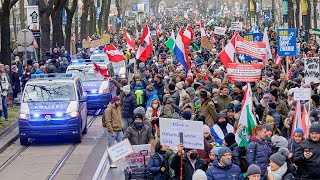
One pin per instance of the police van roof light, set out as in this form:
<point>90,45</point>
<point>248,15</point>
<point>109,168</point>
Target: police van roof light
<point>53,75</point>
<point>86,60</point>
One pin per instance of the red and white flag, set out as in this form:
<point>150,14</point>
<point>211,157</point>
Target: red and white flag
<point>250,48</point>
<point>306,123</point>
<point>88,39</point>
<point>278,60</point>
<point>212,37</point>
<point>130,41</point>
<point>145,48</point>
<point>227,54</point>
<point>203,32</point>
<point>188,35</point>
<point>296,122</point>
<point>114,54</point>
<point>158,30</point>
<point>101,72</point>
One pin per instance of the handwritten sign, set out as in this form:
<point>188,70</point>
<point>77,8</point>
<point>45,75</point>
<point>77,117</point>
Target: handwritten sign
<point>106,38</point>
<point>220,31</point>
<point>236,26</point>
<point>86,44</point>
<point>311,70</point>
<point>287,41</point>
<point>302,94</point>
<point>207,44</point>
<point>120,150</point>
<point>135,158</point>
<point>244,72</point>
<point>97,43</point>
<point>192,133</point>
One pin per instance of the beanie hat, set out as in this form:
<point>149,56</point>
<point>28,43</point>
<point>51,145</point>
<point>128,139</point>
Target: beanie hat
<point>199,175</point>
<point>172,86</point>
<point>115,99</point>
<point>268,127</point>
<point>175,115</point>
<point>139,110</point>
<point>237,108</point>
<point>139,84</point>
<point>222,151</point>
<point>126,89</point>
<point>291,113</point>
<point>149,88</point>
<point>272,105</point>
<point>278,158</point>
<point>179,85</point>
<point>189,80</point>
<point>253,169</point>
<point>238,85</point>
<point>274,83</point>
<point>204,94</point>
<point>314,128</point>
<point>230,138</point>
<point>206,128</point>
<point>138,115</point>
<point>298,130</point>
<point>215,151</point>
<point>186,115</point>
<point>279,141</point>
<point>274,92</point>
<point>190,91</point>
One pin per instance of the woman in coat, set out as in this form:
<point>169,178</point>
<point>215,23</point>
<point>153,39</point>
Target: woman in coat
<point>154,110</point>
<point>15,82</point>
<point>157,165</point>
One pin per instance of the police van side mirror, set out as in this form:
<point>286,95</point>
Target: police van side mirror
<point>83,98</point>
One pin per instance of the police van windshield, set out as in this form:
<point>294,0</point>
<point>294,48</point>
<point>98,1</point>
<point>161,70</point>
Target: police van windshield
<point>85,73</point>
<point>47,92</point>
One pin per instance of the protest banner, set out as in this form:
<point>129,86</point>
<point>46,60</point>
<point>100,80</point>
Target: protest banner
<point>220,31</point>
<point>120,150</point>
<point>192,133</point>
<point>135,158</point>
<point>236,26</point>
<point>106,38</point>
<point>207,44</point>
<point>315,32</point>
<point>287,41</point>
<point>253,49</point>
<point>244,72</point>
<point>97,43</point>
<point>302,94</point>
<point>311,70</point>
<point>86,44</point>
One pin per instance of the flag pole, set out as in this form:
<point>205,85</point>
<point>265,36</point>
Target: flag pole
<point>287,66</point>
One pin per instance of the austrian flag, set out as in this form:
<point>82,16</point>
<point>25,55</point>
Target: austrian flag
<point>130,42</point>
<point>114,54</point>
<point>145,48</point>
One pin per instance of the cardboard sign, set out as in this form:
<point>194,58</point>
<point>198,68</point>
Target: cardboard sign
<point>106,38</point>
<point>220,31</point>
<point>302,94</point>
<point>86,44</point>
<point>311,70</point>
<point>120,150</point>
<point>176,19</point>
<point>135,158</point>
<point>207,44</point>
<point>244,72</point>
<point>192,133</point>
<point>236,26</point>
<point>97,43</point>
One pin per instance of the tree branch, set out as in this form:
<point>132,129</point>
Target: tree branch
<point>12,3</point>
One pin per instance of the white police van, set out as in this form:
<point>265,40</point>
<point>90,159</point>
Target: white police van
<point>53,105</point>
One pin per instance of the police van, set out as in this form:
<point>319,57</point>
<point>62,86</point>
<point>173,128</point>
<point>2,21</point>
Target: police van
<point>99,90</point>
<point>53,105</point>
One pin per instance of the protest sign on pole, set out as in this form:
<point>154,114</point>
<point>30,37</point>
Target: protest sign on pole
<point>136,158</point>
<point>220,31</point>
<point>287,41</point>
<point>311,70</point>
<point>244,72</point>
<point>207,44</point>
<point>192,132</point>
<point>120,150</point>
<point>236,26</point>
<point>302,94</point>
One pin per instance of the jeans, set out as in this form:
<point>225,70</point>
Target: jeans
<point>126,123</point>
<point>118,137</point>
<point>4,107</point>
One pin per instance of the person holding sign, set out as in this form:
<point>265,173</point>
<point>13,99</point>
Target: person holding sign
<point>139,133</point>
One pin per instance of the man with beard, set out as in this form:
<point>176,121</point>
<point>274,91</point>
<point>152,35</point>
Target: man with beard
<point>223,99</point>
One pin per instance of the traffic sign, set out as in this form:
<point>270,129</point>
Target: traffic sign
<point>266,16</point>
<point>33,17</point>
<point>25,37</point>
<point>36,34</point>
<point>134,7</point>
<point>119,20</point>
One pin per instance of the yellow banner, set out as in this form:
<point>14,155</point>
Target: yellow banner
<point>251,6</point>
<point>304,7</point>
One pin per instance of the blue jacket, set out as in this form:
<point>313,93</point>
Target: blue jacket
<point>231,172</point>
<point>276,116</point>
<point>128,105</point>
<point>155,163</point>
<point>152,96</point>
<point>39,71</point>
<point>258,152</point>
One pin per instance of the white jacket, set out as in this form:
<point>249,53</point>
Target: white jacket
<point>4,83</point>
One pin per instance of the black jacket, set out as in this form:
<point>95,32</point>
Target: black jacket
<point>235,154</point>
<point>129,104</point>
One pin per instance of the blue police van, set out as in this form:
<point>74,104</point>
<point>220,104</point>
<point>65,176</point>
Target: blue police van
<point>53,105</point>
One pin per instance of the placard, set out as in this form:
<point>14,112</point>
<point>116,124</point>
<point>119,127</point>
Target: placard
<point>120,150</point>
<point>135,158</point>
<point>244,72</point>
<point>207,44</point>
<point>86,44</point>
<point>287,41</point>
<point>302,94</point>
<point>176,19</point>
<point>311,70</point>
<point>236,26</point>
<point>97,43</point>
<point>220,31</point>
<point>106,38</point>
<point>192,133</point>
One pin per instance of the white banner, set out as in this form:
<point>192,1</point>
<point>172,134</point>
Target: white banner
<point>120,150</point>
<point>33,18</point>
<point>192,132</point>
<point>302,94</point>
<point>236,26</point>
<point>220,31</point>
<point>311,70</point>
<point>136,158</point>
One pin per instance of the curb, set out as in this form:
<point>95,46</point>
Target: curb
<point>12,137</point>
<point>8,129</point>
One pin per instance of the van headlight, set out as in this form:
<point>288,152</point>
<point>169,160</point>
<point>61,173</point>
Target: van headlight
<point>73,114</point>
<point>23,116</point>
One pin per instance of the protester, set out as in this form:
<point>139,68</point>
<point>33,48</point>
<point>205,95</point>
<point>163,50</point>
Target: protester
<point>278,169</point>
<point>221,128</point>
<point>207,108</point>
<point>230,142</point>
<point>128,105</point>
<point>139,133</point>
<point>254,172</point>
<point>4,87</point>
<point>157,166</point>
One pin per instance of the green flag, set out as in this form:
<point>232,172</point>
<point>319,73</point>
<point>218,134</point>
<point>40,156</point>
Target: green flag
<point>170,43</point>
<point>195,47</point>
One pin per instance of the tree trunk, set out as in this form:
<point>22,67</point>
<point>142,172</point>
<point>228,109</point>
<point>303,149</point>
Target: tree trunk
<point>106,15</point>
<point>315,19</point>
<point>70,13</point>
<point>100,21</point>
<point>92,20</point>
<point>118,5</point>
<point>45,27</point>
<point>22,15</point>
<point>84,17</point>
<point>290,14</point>
<point>58,38</point>
<point>297,14</point>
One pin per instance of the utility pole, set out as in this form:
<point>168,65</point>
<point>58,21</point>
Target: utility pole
<point>22,15</point>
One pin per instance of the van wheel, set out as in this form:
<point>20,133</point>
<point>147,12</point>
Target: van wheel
<point>24,141</point>
<point>85,130</point>
<point>78,138</point>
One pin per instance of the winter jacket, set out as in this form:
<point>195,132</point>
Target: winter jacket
<point>258,152</point>
<point>128,105</point>
<point>113,120</point>
<point>149,113</point>
<point>218,133</point>
<point>167,111</point>
<point>4,85</point>
<point>160,89</point>
<point>15,83</point>
<point>217,172</point>
<point>187,167</point>
<point>39,71</point>
<point>137,137</point>
<point>223,101</point>
<point>282,107</point>
<point>309,167</point>
<point>154,165</point>
<point>169,157</point>
<point>208,110</point>
<point>24,79</point>
<point>235,154</point>
<point>175,96</point>
<point>276,116</point>
<point>152,96</point>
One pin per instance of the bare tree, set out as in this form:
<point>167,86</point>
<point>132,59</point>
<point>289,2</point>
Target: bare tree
<point>290,14</point>
<point>101,15</point>
<point>119,9</point>
<point>315,19</point>
<point>57,34</point>
<point>106,15</point>
<point>84,17</point>
<point>297,13</point>
<point>70,14</point>
<point>45,10</point>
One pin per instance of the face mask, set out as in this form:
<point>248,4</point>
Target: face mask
<point>162,152</point>
<point>226,162</point>
<point>155,106</point>
<point>193,156</point>
<point>138,125</point>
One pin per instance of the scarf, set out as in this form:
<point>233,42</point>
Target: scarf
<point>278,174</point>
<point>154,112</point>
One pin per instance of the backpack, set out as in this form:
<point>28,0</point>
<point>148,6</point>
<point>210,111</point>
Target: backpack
<point>139,97</point>
<point>243,157</point>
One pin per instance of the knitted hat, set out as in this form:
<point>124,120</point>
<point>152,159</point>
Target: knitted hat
<point>268,127</point>
<point>278,158</point>
<point>274,92</point>
<point>169,101</point>
<point>179,85</point>
<point>204,94</point>
<point>237,108</point>
<point>190,91</point>
<point>222,151</point>
<point>115,99</point>
<point>238,85</point>
<point>291,113</point>
<point>215,151</point>
<point>138,115</point>
<point>149,88</point>
<point>175,115</point>
<point>253,169</point>
<point>139,110</point>
<point>199,175</point>
<point>314,128</point>
<point>172,86</point>
<point>126,89</point>
<point>186,115</point>
<point>139,84</point>
<point>272,105</point>
<point>279,141</point>
<point>230,138</point>
<point>206,128</point>
<point>298,130</point>
<point>274,83</point>
<point>189,80</point>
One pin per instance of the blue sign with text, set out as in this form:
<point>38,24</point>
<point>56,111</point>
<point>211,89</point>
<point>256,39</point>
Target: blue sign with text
<point>287,42</point>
